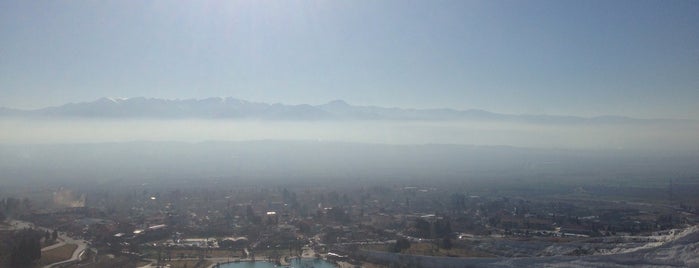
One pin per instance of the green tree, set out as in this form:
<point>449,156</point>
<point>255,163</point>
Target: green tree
<point>447,244</point>
<point>26,248</point>
<point>401,244</point>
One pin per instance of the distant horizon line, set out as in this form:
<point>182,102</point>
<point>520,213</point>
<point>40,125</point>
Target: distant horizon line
<point>343,102</point>
<point>359,143</point>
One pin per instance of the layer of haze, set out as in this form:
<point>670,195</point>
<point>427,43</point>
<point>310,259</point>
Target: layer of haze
<point>652,136</point>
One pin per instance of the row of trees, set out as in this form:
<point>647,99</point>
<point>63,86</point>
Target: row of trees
<point>11,207</point>
<point>22,249</point>
<point>436,229</point>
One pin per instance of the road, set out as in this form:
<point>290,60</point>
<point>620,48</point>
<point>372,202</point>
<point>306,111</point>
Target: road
<point>82,246</point>
<point>62,238</point>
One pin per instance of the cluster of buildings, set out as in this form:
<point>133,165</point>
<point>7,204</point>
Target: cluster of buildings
<point>333,222</point>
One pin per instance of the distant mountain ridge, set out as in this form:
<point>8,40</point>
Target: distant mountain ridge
<point>221,108</point>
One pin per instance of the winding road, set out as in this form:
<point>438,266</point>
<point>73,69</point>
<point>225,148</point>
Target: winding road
<point>62,238</point>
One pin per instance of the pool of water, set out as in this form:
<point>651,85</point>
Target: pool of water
<point>300,263</point>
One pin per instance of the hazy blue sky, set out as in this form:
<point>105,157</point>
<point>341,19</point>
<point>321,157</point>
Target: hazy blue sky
<point>635,58</point>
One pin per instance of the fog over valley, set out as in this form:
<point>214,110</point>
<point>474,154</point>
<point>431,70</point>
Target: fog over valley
<point>153,139</point>
<point>346,134</point>
<point>218,119</point>
<point>672,136</point>
<point>282,161</point>
<point>106,140</point>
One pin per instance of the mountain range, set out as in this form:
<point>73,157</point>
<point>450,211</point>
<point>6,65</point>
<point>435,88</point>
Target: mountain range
<point>222,108</point>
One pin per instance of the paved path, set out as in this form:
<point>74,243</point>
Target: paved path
<point>76,254</point>
<point>307,252</point>
<point>62,238</point>
<point>59,244</point>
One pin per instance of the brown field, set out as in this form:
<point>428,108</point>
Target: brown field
<point>432,250</point>
<point>57,254</point>
<point>188,263</point>
<point>191,253</point>
<point>429,249</point>
<point>104,261</point>
<point>48,243</point>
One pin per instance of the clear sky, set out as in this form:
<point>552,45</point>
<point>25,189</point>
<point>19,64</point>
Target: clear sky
<point>633,58</point>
